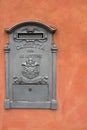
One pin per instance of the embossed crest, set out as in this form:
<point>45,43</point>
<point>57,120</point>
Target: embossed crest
<point>31,68</point>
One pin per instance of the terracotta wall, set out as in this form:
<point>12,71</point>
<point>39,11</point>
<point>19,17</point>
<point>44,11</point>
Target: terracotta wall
<point>70,19</point>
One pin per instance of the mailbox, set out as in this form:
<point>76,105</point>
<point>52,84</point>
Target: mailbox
<point>30,66</point>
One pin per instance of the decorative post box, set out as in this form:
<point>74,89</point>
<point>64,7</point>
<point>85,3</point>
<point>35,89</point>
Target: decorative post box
<point>30,66</point>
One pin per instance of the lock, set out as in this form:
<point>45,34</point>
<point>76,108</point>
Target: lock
<point>30,89</point>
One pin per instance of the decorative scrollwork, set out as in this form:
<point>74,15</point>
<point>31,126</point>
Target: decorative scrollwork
<point>21,81</point>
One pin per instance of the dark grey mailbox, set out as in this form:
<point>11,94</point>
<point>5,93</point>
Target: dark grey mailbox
<point>30,66</point>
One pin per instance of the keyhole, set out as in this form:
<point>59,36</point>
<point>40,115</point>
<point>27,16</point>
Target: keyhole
<point>30,89</point>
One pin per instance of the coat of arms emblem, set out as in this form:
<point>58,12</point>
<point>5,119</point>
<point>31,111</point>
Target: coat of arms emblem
<point>31,68</point>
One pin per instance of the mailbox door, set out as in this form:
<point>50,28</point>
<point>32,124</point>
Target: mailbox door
<point>30,66</point>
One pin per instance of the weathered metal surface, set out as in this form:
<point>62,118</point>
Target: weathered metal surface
<point>30,66</point>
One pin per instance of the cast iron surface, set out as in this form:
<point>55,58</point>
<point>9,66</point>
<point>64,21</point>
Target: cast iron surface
<point>30,66</point>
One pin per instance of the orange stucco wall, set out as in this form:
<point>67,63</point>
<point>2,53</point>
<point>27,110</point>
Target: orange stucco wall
<point>70,18</point>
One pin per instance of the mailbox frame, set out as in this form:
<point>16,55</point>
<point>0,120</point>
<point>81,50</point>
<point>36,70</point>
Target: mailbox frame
<point>9,102</point>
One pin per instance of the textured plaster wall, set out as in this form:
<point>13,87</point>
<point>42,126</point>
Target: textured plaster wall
<point>70,18</point>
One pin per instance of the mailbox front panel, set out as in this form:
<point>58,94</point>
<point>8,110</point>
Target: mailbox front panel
<point>30,67</point>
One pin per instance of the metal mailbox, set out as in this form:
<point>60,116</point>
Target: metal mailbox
<point>30,66</point>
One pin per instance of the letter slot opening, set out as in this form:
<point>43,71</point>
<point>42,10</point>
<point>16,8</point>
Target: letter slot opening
<point>30,35</point>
